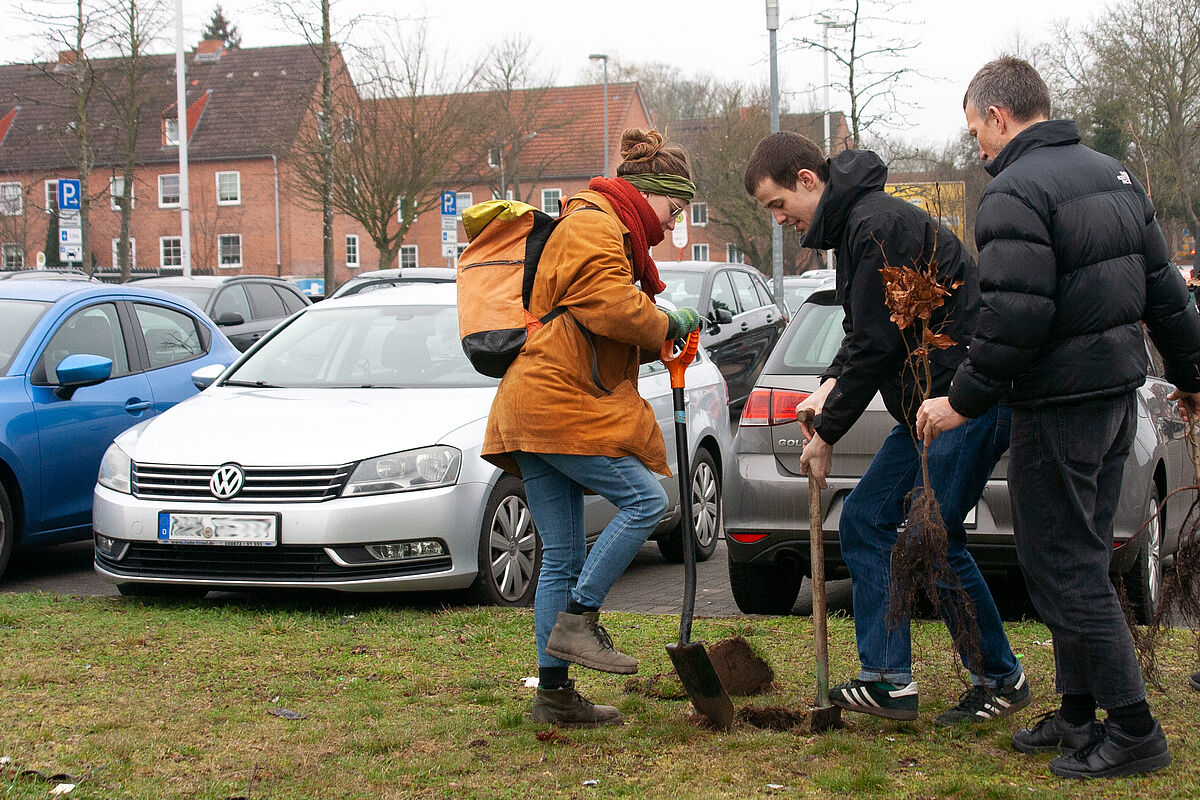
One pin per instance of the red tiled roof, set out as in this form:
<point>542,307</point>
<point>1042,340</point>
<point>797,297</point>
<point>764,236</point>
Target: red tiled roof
<point>258,99</point>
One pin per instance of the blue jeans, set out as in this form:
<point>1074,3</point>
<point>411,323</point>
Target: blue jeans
<point>554,485</point>
<point>960,462</point>
<point>1064,496</point>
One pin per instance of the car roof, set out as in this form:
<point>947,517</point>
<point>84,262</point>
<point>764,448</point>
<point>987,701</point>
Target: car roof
<point>54,290</point>
<point>410,294</point>
<point>432,273</point>
<point>204,280</point>
<point>700,266</point>
<point>813,276</point>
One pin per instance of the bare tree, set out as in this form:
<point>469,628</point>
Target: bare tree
<point>670,95</point>
<point>1132,79</point>
<point>874,67</point>
<point>396,144</point>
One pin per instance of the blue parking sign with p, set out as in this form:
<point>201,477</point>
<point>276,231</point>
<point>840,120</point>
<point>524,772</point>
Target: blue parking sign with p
<point>68,194</point>
<point>449,204</point>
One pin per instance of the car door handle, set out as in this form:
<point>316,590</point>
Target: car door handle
<point>745,326</point>
<point>136,406</point>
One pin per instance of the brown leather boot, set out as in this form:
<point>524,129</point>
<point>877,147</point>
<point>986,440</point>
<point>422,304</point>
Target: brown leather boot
<point>567,708</point>
<point>581,639</point>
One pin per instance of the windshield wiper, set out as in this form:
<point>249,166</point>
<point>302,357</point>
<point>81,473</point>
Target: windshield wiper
<point>256,384</point>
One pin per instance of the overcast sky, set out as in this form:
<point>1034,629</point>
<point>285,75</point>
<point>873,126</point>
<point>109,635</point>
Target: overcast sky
<point>724,38</point>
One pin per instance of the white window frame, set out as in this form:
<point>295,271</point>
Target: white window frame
<point>178,190</point>
<point>167,125</point>
<point>51,191</point>
<point>132,253</point>
<point>413,253</point>
<point>463,200</point>
<point>162,250</point>
<point>237,201</point>
<point>508,195</point>
<point>552,194</point>
<point>352,241</point>
<point>733,254</point>
<point>241,254</point>
<point>12,247</point>
<point>114,193</point>
<point>700,251</point>
<point>699,214</point>
<point>12,204</point>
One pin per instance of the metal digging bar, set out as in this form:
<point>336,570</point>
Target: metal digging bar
<point>691,660</point>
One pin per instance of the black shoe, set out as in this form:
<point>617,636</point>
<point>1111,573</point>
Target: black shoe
<point>980,704</point>
<point>1052,733</point>
<point>1115,754</point>
<point>879,698</point>
<point>1194,681</point>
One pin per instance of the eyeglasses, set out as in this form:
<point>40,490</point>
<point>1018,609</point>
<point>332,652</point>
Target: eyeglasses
<point>675,210</point>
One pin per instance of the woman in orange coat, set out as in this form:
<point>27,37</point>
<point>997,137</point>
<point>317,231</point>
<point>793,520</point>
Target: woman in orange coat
<point>568,417</point>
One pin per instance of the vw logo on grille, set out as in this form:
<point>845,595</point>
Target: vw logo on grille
<point>227,481</point>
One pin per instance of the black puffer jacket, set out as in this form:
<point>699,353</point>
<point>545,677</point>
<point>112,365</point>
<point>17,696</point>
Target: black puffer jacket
<point>1070,259</point>
<point>871,229</point>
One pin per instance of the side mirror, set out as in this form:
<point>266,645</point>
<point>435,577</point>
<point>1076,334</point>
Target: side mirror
<point>205,376</point>
<point>79,370</point>
<point>717,317</point>
<point>230,318</point>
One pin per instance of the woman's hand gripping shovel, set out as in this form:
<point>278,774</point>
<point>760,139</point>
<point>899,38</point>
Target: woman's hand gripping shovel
<point>691,660</point>
<point>824,715</point>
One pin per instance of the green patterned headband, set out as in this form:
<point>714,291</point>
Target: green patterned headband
<point>663,183</point>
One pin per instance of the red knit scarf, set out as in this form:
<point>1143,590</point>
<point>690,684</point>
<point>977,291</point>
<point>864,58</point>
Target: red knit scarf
<point>644,228</point>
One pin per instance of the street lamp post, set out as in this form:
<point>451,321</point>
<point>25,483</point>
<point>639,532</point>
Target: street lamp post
<point>776,229</point>
<point>827,22</point>
<point>603,57</point>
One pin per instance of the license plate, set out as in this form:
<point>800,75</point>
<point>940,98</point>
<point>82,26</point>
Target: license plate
<point>255,530</point>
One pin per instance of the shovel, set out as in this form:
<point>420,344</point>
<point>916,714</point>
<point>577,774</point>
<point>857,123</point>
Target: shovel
<point>691,660</point>
<point>825,715</point>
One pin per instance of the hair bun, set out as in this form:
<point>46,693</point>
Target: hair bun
<point>640,145</point>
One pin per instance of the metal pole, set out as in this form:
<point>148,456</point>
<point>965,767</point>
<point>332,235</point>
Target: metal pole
<point>828,143</point>
<point>603,57</point>
<point>185,224</point>
<point>776,229</point>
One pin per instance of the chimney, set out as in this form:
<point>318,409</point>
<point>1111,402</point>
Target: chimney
<point>210,50</point>
<point>66,60</point>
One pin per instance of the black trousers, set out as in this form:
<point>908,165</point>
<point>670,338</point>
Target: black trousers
<point>1064,475</point>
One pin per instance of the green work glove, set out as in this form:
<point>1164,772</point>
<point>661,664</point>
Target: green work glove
<point>682,322</point>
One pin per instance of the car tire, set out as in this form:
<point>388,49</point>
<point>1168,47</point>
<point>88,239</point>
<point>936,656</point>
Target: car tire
<point>162,591</point>
<point>763,588</point>
<point>706,512</point>
<point>510,551</point>
<point>1143,581</point>
<point>8,530</point>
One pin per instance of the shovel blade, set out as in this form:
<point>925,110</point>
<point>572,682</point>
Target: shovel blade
<point>704,688</point>
<point>824,718</point>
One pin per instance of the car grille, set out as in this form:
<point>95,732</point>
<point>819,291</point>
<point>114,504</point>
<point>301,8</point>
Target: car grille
<point>282,563</point>
<point>262,484</point>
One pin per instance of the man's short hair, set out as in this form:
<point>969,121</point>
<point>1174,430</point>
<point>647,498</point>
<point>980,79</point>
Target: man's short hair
<point>1012,83</point>
<point>780,156</point>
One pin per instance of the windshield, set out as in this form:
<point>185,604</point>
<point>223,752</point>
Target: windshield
<point>19,318</point>
<point>810,342</point>
<point>683,288</point>
<point>364,346</point>
<point>197,294</point>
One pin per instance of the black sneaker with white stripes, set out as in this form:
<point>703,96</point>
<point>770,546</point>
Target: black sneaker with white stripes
<point>980,704</point>
<point>880,698</point>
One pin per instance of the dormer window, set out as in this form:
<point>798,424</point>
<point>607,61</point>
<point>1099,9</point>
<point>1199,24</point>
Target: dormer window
<point>171,132</point>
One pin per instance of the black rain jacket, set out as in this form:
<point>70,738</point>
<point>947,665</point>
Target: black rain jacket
<point>870,229</point>
<point>1070,259</point>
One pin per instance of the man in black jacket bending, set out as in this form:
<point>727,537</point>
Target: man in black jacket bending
<point>1071,262</point>
<point>840,203</point>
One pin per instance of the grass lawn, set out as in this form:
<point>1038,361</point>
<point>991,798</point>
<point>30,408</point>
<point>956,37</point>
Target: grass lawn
<point>174,700</point>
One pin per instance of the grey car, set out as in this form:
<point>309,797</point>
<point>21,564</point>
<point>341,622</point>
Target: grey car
<point>766,497</point>
<point>374,279</point>
<point>245,307</point>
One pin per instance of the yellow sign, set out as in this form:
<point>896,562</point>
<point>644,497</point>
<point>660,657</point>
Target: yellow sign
<point>944,201</point>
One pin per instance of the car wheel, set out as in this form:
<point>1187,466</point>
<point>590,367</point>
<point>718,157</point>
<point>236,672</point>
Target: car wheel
<point>8,531</point>
<point>1143,581</point>
<point>763,588</point>
<point>510,552</point>
<point>706,512</point>
<point>162,591</point>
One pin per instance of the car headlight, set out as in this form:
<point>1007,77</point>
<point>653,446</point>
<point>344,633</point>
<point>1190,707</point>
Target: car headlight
<point>115,470</point>
<point>424,468</point>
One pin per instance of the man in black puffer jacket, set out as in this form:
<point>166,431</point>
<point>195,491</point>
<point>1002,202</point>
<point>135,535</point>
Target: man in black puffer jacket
<point>841,203</point>
<point>1071,262</point>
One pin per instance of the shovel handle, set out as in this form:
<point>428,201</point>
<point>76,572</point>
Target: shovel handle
<point>677,364</point>
<point>816,557</point>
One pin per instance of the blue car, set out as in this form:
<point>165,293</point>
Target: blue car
<point>79,363</point>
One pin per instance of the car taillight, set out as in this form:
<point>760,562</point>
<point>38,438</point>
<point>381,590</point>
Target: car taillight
<point>747,538</point>
<point>771,407</point>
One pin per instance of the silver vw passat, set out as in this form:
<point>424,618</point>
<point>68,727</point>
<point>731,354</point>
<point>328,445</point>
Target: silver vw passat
<point>342,452</point>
